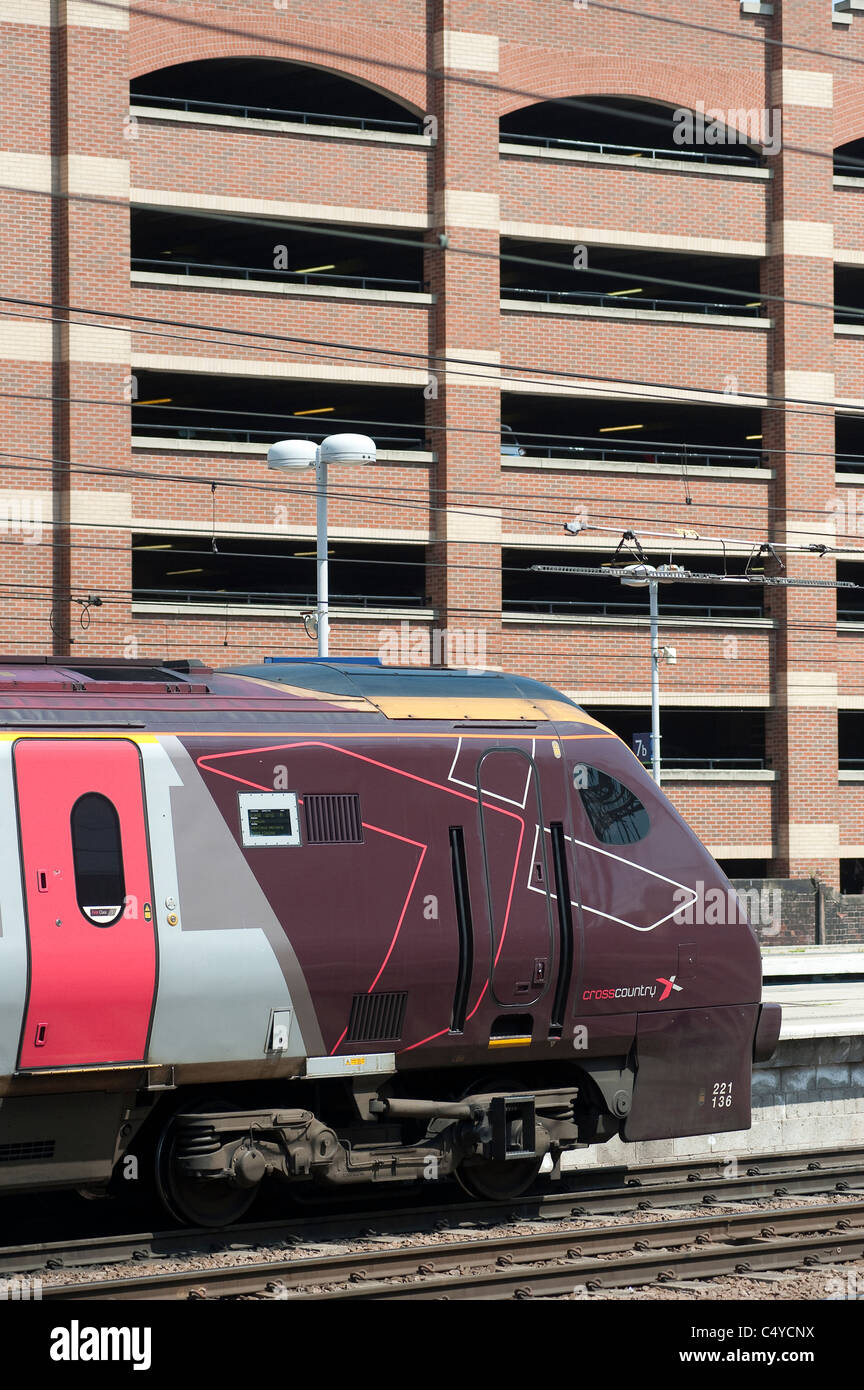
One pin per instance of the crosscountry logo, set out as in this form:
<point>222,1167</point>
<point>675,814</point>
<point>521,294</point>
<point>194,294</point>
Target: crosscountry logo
<point>670,985</point>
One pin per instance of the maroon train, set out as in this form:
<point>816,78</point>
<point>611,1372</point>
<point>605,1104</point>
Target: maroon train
<point>342,922</point>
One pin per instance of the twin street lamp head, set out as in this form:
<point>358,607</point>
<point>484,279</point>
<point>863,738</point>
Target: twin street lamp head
<point>296,454</point>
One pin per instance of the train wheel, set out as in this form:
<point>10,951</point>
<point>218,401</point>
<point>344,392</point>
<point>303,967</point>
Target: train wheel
<point>497,1180</point>
<point>193,1201</point>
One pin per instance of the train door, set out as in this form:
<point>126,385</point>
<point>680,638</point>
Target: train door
<point>518,875</point>
<point>86,872</point>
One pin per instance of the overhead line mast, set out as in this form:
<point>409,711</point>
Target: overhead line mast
<point>641,573</point>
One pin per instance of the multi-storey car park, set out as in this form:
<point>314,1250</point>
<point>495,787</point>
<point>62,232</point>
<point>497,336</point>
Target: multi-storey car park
<point>497,239</point>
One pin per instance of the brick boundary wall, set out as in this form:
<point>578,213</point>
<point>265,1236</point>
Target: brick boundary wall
<point>811,912</point>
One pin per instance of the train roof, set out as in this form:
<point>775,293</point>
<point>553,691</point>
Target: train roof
<point>360,678</point>
<point>79,690</point>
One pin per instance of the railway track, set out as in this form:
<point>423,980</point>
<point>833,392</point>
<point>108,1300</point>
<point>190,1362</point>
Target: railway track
<point>638,1189</point>
<point>506,1265</point>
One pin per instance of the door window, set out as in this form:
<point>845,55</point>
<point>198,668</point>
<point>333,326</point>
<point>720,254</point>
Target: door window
<point>97,856</point>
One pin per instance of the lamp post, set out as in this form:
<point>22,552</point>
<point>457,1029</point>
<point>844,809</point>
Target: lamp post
<point>637,576</point>
<point>654,611</point>
<point>294,455</point>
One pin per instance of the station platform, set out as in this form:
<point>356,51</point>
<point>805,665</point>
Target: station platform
<point>810,1095</point>
<point>821,989</point>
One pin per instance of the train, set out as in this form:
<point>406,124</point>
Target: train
<point>322,922</point>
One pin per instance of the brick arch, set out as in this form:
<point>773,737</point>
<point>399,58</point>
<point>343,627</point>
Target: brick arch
<point>667,84</point>
<point>848,113</point>
<point>344,50</point>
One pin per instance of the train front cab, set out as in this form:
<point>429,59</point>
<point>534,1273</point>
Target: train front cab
<point>667,948</point>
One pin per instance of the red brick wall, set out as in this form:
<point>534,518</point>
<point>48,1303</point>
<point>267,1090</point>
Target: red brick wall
<point>224,162</point>
<point>647,200</point>
<point>74,251</point>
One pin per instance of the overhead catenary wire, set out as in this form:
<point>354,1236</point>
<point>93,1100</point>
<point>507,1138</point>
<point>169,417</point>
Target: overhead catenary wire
<point>309,342</point>
<point>382,351</point>
<point>610,7</point>
<point>509,511</point>
<point>27,591</point>
<point>238,412</point>
<point>180,551</point>
<point>683,535</point>
<point>456,365</point>
<point>760,39</point>
<point>690,449</point>
<point>348,233</point>
<point>682,544</point>
<point>45,464</point>
<point>678,394</point>
<point>318,51</point>
<point>464,362</point>
<point>108,594</point>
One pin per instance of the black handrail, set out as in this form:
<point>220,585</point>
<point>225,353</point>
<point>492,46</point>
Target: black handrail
<point>604,609</point>
<point>219,597</point>
<point>247,272</point>
<point>717,764</point>
<point>680,456</point>
<point>276,113</point>
<point>588,452</point>
<point>252,436</point>
<point>618,301</point>
<point>706,156</point>
<point>565,928</point>
<point>464,928</point>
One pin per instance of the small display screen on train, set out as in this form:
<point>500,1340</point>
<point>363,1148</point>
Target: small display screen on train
<point>271,821</point>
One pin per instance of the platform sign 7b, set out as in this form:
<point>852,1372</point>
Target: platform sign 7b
<point>643,746</point>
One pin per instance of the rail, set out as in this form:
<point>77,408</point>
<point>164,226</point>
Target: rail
<point>739,458</point>
<point>502,1265</point>
<point>623,1191</point>
<point>716,764</point>
<point>618,301</point>
<point>704,156</point>
<point>603,609</point>
<point>221,598</point>
<point>276,113</point>
<point>250,436</point>
<point>589,452</point>
<point>250,272</point>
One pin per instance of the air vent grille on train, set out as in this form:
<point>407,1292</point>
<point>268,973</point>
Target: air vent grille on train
<point>27,1151</point>
<point>376,1017</point>
<point>333,819</point>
